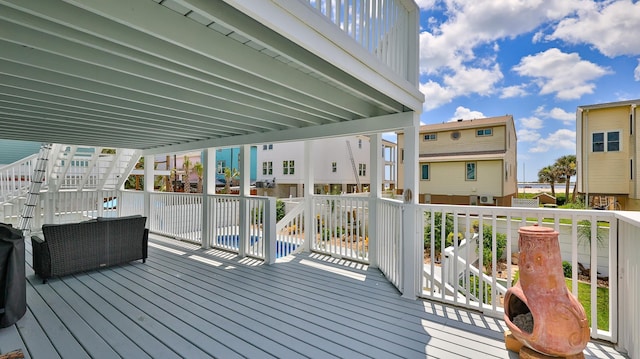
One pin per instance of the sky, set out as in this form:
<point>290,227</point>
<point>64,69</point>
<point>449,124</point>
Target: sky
<point>537,60</point>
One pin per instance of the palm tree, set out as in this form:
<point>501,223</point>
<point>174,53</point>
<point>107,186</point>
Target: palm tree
<point>186,166</point>
<point>566,166</point>
<point>549,174</point>
<point>198,169</point>
<point>228,175</point>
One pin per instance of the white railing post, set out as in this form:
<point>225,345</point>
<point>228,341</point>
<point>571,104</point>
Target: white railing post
<point>209,187</point>
<point>411,242</point>
<point>269,230</point>
<point>309,218</point>
<point>244,220</point>
<point>149,161</point>
<point>375,188</point>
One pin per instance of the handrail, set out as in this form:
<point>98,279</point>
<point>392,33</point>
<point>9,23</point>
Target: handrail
<point>15,179</point>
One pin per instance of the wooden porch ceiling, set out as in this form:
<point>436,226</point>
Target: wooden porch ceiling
<point>173,74</point>
<point>192,303</point>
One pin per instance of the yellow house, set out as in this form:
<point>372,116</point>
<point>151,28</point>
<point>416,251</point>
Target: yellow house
<point>466,162</point>
<point>607,155</point>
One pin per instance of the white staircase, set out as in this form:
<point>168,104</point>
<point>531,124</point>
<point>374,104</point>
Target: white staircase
<point>57,169</point>
<point>38,177</point>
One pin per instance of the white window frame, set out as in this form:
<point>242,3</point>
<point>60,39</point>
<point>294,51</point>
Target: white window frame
<point>267,168</point>
<point>422,165</point>
<point>605,141</point>
<point>288,167</point>
<point>430,137</point>
<point>475,171</point>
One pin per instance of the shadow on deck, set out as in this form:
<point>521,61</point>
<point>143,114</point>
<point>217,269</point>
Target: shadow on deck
<point>193,303</point>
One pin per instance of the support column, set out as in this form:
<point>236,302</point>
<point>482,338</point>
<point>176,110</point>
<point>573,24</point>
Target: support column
<point>245,191</point>
<point>376,167</point>
<point>269,230</point>
<point>149,162</point>
<point>309,232</point>
<point>411,243</point>
<point>208,188</point>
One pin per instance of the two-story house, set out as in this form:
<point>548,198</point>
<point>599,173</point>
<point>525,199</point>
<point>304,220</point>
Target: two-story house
<point>607,155</point>
<point>466,162</point>
<point>341,165</point>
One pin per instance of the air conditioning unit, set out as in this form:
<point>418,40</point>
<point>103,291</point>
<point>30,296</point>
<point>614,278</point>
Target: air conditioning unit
<point>486,199</point>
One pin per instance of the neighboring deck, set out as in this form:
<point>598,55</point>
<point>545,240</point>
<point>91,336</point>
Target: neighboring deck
<point>193,303</point>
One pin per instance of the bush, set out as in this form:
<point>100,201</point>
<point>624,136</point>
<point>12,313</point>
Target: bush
<point>280,213</point>
<point>448,227</point>
<point>487,244</point>
<point>567,269</point>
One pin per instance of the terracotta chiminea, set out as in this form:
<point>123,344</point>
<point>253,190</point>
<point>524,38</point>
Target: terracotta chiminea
<point>539,310</point>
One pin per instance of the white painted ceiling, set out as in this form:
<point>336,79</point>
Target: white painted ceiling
<point>174,74</point>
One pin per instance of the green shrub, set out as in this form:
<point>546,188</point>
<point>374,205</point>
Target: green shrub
<point>487,244</point>
<point>280,212</point>
<point>567,269</point>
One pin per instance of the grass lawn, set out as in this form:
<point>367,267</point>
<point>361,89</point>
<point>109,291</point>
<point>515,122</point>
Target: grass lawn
<point>584,297</point>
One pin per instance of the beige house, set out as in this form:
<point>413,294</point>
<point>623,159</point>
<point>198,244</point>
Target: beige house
<point>607,155</point>
<point>466,162</point>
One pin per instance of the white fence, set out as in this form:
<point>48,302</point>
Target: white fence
<point>499,226</point>
<point>389,241</point>
<point>381,27</point>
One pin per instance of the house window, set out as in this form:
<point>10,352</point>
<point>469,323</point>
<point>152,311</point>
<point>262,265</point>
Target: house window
<point>470,174</point>
<point>334,167</point>
<point>271,146</point>
<point>424,172</point>
<point>359,143</point>
<point>484,132</point>
<point>267,168</point>
<point>613,141</point>
<point>362,169</point>
<point>430,137</point>
<point>605,140</point>
<point>220,167</point>
<point>264,147</point>
<point>288,167</point>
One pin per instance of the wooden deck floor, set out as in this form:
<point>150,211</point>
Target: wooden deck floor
<point>189,303</point>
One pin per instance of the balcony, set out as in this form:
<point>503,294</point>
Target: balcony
<point>345,288</point>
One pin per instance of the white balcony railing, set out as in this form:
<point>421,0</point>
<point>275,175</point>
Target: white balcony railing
<point>605,243</point>
<point>379,26</point>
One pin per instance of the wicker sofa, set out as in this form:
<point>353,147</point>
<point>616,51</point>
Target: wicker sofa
<point>76,247</point>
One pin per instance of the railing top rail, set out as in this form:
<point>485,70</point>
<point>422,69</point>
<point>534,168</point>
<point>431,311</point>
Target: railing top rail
<point>19,162</point>
<point>520,211</point>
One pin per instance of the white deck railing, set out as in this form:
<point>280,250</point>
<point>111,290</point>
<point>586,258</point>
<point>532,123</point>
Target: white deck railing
<point>341,226</point>
<point>379,26</point>
<point>605,242</point>
<point>483,292</point>
<point>15,178</point>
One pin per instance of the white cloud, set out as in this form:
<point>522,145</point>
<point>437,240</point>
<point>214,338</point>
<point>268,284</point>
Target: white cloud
<point>636,72</point>
<point>425,4</point>
<point>474,23</point>
<point>527,135</point>
<point>514,91</point>
<point>610,26</point>
<point>531,123</point>
<point>562,139</point>
<point>556,113</point>
<point>435,95</point>
<point>566,75</point>
<point>462,83</point>
<point>466,114</point>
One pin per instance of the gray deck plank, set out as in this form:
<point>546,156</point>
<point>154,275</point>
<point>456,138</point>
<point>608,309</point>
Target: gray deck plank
<point>250,331</point>
<point>117,340</point>
<point>189,302</point>
<point>385,339</point>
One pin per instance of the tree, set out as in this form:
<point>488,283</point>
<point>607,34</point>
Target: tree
<point>186,166</point>
<point>549,174</point>
<point>228,175</point>
<point>566,168</point>
<point>198,169</point>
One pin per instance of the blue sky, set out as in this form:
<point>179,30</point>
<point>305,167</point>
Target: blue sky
<point>537,60</point>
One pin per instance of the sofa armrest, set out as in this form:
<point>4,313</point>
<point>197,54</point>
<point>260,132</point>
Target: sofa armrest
<point>145,245</point>
<point>41,257</point>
